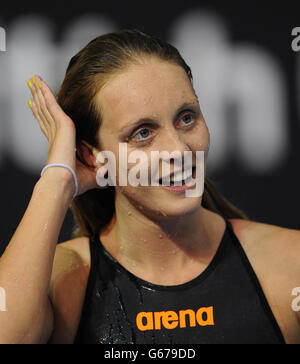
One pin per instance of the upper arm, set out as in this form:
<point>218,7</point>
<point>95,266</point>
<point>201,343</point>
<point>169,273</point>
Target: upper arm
<point>274,253</point>
<point>48,323</point>
<point>67,291</point>
<point>286,263</point>
<point>295,267</point>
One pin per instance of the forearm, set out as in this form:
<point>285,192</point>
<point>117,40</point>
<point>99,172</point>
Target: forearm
<point>26,265</point>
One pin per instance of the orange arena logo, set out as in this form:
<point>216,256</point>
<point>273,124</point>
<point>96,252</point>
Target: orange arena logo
<point>171,320</point>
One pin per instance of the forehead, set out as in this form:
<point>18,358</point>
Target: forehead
<point>152,88</point>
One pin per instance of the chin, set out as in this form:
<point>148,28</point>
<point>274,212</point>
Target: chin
<point>162,206</point>
<point>175,209</point>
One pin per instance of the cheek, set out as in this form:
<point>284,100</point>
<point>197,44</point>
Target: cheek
<point>200,138</point>
<point>140,197</point>
<point>134,170</point>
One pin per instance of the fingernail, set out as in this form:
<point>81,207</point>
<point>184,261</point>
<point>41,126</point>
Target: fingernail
<point>33,80</point>
<point>40,86</point>
<point>29,84</point>
<point>30,103</point>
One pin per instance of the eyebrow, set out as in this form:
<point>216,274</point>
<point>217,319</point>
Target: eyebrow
<point>132,126</point>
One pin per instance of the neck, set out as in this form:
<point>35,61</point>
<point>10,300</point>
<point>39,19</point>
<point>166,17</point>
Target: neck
<point>150,246</point>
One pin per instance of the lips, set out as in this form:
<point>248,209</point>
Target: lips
<point>179,176</point>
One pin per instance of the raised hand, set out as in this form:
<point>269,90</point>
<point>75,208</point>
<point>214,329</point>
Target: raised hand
<point>60,131</point>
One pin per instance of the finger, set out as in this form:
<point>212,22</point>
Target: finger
<point>44,115</point>
<point>41,98</point>
<point>34,110</point>
<point>52,106</point>
<point>32,83</point>
<point>42,104</point>
<point>36,99</point>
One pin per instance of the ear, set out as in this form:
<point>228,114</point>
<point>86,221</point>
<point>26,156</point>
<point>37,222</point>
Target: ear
<point>86,153</point>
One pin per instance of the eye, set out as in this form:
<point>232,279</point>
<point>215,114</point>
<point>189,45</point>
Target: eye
<point>143,133</point>
<point>188,119</point>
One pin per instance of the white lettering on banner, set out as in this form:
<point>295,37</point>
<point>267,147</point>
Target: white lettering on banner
<point>33,51</point>
<point>227,77</point>
<point>241,77</point>
<point>259,96</point>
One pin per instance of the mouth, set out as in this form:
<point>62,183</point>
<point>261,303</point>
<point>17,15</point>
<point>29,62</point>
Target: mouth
<point>183,180</point>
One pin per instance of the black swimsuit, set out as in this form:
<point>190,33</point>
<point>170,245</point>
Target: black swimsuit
<point>225,304</point>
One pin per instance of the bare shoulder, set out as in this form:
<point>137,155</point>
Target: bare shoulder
<point>254,235</point>
<point>274,253</point>
<point>70,256</point>
<point>78,247</point>
<point>250,227</point>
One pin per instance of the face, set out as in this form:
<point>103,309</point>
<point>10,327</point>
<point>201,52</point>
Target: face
<point>152,107</point>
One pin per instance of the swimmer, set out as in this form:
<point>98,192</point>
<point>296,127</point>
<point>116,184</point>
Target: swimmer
<point>145,264</point>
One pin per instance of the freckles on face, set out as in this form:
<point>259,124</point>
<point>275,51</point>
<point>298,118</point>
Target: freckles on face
<point>153,90</point>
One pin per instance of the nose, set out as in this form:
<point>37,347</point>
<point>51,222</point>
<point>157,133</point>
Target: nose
<point>175,144</point>
<point>175,141</point>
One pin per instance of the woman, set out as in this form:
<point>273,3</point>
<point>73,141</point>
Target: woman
<point>146,264</point>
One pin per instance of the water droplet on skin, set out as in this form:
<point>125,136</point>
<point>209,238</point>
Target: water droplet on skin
<point>129,213</point>
<point>160,236</point>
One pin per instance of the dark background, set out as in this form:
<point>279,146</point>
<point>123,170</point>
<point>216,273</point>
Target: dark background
<point>270,197</point>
